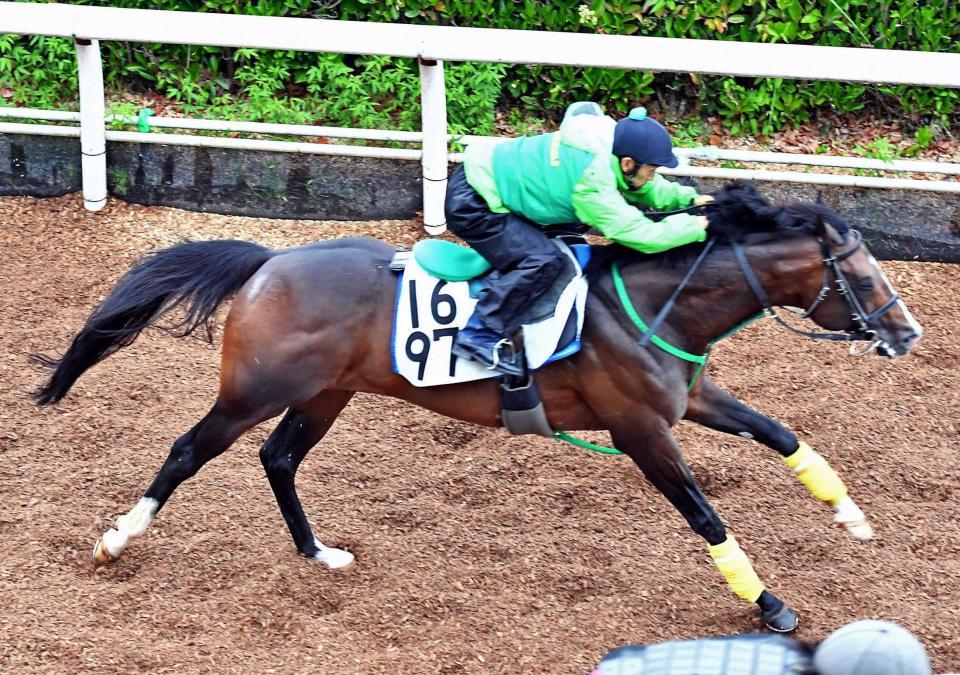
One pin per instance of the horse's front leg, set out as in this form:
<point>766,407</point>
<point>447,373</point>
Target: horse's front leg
<point>712,407</point>
<point>658,456</point>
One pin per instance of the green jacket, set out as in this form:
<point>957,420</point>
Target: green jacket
<point>572,175</point>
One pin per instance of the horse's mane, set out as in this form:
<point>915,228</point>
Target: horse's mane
<point>738,213</point>
<point>738,210</point>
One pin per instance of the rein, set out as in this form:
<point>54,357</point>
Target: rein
<point>770,310</point>
<point>668,306</point>
<point>657,216</point>
<point>831,264</point>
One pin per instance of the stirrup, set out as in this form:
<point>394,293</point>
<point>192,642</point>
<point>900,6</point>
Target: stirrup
<point>496,352</point>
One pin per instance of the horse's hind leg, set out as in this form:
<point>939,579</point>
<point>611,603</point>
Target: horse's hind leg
<point>712,407</point>
<point>210,437</point>
<point>301,428</point>
<point>658,456</point>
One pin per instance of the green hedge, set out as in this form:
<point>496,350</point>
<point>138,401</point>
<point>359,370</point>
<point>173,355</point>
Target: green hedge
<point>283,86</point>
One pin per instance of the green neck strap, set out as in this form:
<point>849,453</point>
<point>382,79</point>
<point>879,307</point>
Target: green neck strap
<point>701,361</point>
<point>639,323</point>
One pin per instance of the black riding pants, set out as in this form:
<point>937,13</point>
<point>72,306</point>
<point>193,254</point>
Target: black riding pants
<point>516,247</point>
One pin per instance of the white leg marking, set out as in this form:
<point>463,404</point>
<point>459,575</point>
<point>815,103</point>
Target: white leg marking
<point>850,517</point>
<point>333,558</point>
<point>130,525</point>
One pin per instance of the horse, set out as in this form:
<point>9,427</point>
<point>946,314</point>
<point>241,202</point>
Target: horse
<point>311,325</point>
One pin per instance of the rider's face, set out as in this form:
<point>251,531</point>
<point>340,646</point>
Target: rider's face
<point>636,176</point>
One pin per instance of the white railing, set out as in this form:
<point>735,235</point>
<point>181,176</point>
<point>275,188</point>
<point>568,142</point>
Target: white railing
<point>434,191</point>
<point>484,44</point>
<point>431,45</point>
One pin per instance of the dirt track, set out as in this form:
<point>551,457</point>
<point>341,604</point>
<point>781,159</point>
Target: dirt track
<point>477,552</point>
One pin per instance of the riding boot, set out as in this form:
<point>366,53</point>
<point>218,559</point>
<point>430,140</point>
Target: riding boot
<point>528,263</point>
<point>487,347</point>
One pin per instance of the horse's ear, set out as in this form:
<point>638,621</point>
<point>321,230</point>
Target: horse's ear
<point>821,228</point>
<point>828,232</point>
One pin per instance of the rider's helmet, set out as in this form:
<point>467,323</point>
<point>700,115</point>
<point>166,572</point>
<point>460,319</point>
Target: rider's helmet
<point>643,139</point>
<point>871,648</point>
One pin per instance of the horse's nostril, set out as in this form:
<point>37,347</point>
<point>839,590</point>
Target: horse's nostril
<point>909,339</point>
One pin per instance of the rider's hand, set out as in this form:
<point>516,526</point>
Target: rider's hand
<point>703,221</point>
<point>702,200</point>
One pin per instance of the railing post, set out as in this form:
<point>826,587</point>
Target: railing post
<point>93,142</point>
<point>433,98</point>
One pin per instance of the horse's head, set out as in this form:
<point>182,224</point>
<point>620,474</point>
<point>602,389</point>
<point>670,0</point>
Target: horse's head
<point>845,290</point>
<point>864,301</point>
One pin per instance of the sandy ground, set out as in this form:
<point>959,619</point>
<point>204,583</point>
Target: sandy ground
<point>478,552</point>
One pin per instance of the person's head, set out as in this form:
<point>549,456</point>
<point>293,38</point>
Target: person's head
<point>871,648</point>
<point>642,144</point>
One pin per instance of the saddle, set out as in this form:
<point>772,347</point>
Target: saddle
<point>439,284</point>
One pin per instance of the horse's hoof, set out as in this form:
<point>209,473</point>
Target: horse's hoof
<point>346,569</point>
<point>101,556</point>
<point>782,620</point>
<point>861,530</point>
<point>850,517</point>
<point>336,559</point>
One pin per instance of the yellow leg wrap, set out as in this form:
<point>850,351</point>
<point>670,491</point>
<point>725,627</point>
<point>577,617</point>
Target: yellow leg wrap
<point>735,567</point>
<point>814,472</point>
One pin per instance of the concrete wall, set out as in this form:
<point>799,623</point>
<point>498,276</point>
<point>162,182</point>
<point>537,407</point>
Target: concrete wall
<point>39,166</point>
<point>271,184</point>
<point>897,224</point>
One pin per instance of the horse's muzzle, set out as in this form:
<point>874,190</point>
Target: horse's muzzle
<point>900,345</point>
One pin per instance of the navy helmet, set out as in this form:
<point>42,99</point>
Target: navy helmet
<point>643,139</point>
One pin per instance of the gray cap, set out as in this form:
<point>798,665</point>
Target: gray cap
<point>871,648</point>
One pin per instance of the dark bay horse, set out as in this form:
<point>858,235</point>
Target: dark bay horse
<point>311,326</point>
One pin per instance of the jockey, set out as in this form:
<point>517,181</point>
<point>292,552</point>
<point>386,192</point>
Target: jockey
<point>590,172</point>
<point>867,647</point>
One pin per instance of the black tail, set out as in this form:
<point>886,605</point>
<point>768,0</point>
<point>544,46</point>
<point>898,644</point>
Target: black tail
<point>197,275</point>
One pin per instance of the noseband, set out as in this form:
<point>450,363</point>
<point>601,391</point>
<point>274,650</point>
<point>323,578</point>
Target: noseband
<point>864,320</point>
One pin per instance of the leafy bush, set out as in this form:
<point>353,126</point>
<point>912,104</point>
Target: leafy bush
<point>380,92</point>
<point>39,71</point>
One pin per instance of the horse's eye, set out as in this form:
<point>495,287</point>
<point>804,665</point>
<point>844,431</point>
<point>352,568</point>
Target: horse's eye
<point>865,284</point>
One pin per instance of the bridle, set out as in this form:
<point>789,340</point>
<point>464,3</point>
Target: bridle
<point>864,320</point>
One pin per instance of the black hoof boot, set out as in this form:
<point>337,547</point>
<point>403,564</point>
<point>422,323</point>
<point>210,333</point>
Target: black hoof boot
<point>775,614</point>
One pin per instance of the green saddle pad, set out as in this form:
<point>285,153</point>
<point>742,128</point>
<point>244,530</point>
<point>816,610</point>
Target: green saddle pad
<point>448,261</point>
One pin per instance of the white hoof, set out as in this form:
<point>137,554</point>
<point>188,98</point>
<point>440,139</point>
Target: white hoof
<point>335,558</point>
<point>132,524</point>
<point>109,547</point>
<point>101,556</point>
<point>851,518</point>
<point>860,530</point>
